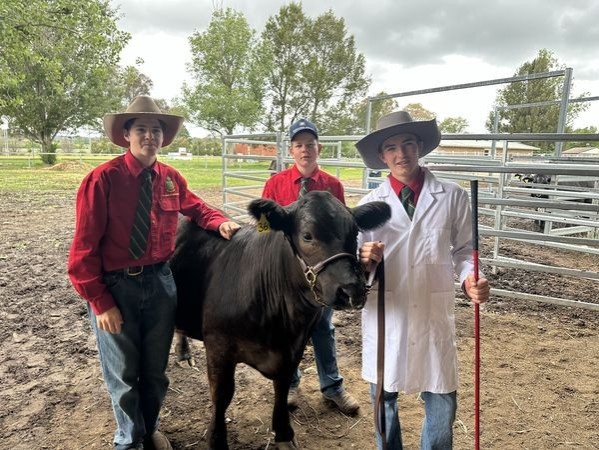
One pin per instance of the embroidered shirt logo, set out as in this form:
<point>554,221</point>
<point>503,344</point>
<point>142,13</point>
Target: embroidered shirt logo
<point>169,185</point>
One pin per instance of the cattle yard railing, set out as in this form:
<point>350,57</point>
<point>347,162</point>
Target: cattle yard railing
<point>507,204</point>
<point>244,174</point>
<point>510,206</point>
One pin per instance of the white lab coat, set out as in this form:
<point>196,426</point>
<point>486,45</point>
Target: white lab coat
<point>421,257</point>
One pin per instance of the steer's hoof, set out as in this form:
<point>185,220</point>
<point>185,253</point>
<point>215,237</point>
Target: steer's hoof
<point>186,363</point>
<point>290,445</point>
<point>183,354</point>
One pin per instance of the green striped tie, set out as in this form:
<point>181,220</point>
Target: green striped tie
<point>141,224</point>
<point>407,200</point>
<point>303,187</point>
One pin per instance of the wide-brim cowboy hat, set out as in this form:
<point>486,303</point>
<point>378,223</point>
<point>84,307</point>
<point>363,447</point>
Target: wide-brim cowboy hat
<point>141,106</point>
<point>397,122</point>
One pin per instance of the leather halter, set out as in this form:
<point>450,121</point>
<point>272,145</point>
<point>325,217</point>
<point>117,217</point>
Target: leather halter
<point>311,272</point>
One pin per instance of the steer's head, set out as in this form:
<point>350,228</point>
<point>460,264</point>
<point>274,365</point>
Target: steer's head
<point>320,228</point>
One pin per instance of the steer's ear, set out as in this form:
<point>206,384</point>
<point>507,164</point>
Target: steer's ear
<point>371,215</point>
<point>276,215</point>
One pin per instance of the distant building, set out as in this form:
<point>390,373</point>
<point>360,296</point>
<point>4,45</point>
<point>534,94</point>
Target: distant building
<point>256,150</point>
<point>582,152</point>
<point>182,153</point>
<point>483,148</point>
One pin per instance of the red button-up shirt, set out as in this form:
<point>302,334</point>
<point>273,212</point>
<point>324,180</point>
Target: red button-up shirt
<point>106,206</point>
<point>284,186</point>
<point>415,185</point>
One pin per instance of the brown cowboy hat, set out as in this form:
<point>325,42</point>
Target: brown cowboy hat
<point>397,122</point>
<point>141,106</point>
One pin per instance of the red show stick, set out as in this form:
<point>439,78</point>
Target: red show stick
<point>474,200</point>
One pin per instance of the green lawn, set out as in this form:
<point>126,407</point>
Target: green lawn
<point>19,173</point>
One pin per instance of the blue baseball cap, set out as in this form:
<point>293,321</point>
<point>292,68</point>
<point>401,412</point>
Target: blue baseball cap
<point>302,125</point>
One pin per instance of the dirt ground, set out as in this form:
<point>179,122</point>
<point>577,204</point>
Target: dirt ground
<point>539,382</point>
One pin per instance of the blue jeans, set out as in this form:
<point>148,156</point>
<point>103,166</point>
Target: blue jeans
<point>325,355</point>
<point>134,361</point>
<point>437,426</point>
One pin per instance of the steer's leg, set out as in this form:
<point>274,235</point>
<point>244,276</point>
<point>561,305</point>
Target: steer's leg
<point>281,424</point>
<point>221,375</point>
<point>183,351</point>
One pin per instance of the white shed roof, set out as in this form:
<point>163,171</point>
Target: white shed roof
<point>486,144</point>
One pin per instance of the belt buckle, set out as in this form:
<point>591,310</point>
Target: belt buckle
<point>137,270</point>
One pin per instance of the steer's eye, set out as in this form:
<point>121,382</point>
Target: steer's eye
<point>307,237</point>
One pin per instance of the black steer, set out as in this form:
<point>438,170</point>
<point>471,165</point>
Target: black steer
<point>541,178</point>
<point>255,299</point>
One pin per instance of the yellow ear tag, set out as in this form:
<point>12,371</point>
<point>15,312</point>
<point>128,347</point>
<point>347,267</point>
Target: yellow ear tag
<point>263,226</point>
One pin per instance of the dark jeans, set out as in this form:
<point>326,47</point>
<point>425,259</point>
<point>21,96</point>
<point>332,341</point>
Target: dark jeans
<point>325,355</point>
<point>134,361</point>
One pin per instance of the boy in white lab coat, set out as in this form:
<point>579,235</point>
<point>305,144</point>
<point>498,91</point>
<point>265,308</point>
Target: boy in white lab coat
<point>427,240</point>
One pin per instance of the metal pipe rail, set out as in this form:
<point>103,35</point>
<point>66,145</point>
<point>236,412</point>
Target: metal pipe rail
<point>240,194</point>
<point>519,168</point>
<point>520,137</point>
<point>540,204</point>
<point>526,236</point>
<point>561,246</point>
<point>549,217</point>
<point>453,176</point>
<point>249,142</point>
<point>245,177</point>
<point>591,193</point>
<point>252,157</point>
<point>535,267</point>
<point>545,299</point>
<point>493,172</point>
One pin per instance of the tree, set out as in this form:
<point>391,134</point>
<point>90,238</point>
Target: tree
<point>333,76</point>
<point>58,63</point>
<point>453,125</point>
<point>585,130</point>
<point>134,83</point>
<point>341,122</point>
<point>228,75</point>
<point>314,68</point>
<point>419,112</point>
<point>283,47</point>
<point>537,119</point>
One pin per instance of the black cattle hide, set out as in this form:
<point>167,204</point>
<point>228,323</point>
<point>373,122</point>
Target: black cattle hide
<point>249,299</point>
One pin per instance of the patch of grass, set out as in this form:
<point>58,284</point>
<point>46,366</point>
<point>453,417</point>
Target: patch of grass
<point>20,173</point>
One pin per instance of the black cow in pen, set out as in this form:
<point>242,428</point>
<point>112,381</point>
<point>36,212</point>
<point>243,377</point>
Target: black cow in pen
<point>255,299</point>
<point>540,178</point>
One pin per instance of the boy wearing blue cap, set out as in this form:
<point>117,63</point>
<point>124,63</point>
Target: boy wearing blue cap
<point>284,188</point>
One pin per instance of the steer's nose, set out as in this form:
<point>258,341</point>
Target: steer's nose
<point>355,294</point>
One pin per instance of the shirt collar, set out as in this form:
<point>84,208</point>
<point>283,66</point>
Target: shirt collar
<point>296,174</point>
<point>415,185</point>
<point>134,166</point>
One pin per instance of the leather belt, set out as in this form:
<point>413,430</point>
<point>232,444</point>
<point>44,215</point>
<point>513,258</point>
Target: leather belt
<point>134,271</point>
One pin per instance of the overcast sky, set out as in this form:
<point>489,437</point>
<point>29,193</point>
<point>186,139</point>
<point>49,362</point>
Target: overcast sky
<point>408,44</point>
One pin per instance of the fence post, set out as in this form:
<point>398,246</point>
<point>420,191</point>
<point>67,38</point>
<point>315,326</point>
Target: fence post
<point>563,109</point>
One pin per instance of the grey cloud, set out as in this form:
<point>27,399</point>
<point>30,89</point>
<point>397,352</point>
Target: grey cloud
<point>177,17</point>
<point>414,32</point>
<point>502,33</point>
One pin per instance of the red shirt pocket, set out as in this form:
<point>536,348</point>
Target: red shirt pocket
<point>168,211</point>
<point>170,202</point>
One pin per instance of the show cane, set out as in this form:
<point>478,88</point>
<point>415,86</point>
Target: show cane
<point>474,201</point>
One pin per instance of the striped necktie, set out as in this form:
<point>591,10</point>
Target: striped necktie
<point>141,223</point>
<point>303,187</point>
<point>407,200</point>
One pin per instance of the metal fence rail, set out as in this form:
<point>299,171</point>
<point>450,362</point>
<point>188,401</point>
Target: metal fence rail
<point>502,199</point>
